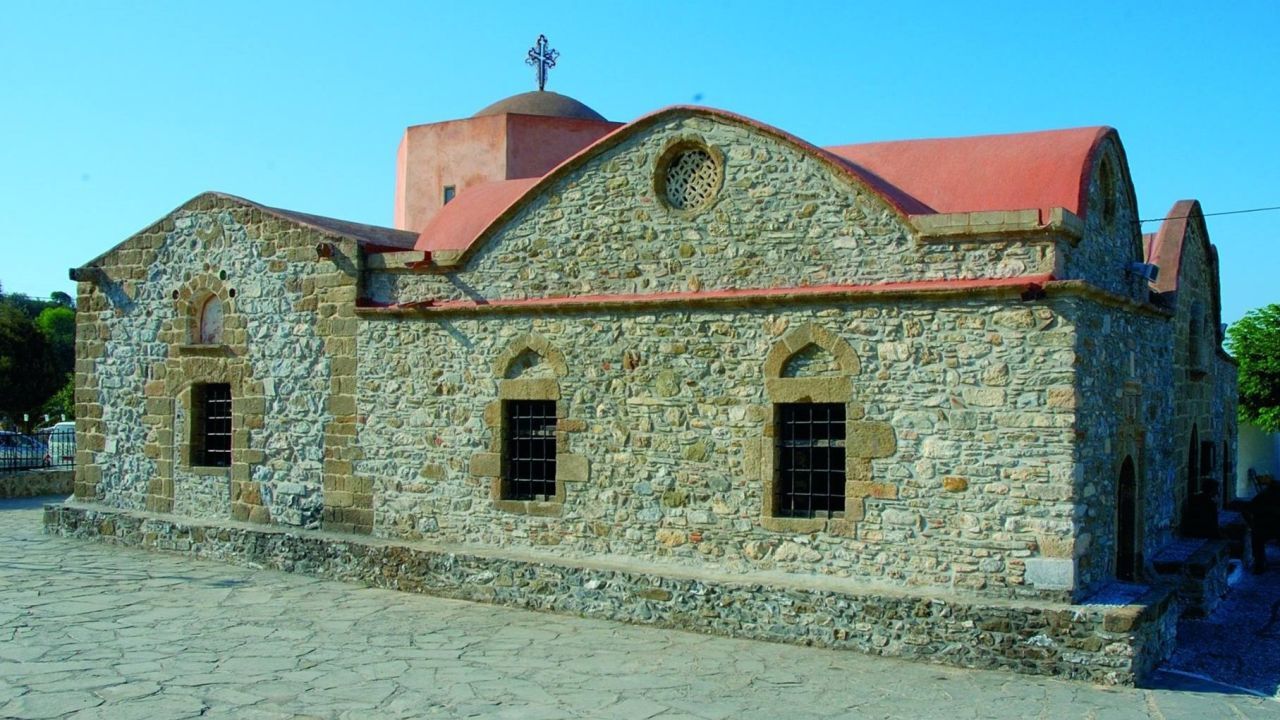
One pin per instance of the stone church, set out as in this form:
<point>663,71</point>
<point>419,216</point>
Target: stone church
<point>928,398</point>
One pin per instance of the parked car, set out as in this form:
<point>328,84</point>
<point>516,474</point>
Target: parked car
<point>61,441</point>
<point>21,452</point>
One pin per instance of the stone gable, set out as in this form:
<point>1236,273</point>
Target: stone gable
<point>782,217</point>
<point>137,362</point>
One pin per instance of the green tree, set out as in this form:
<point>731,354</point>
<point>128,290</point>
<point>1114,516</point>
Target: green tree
<point>1255,342</point>
<point>28,372</point>
<point>58,325</point>
<point>63,403</point>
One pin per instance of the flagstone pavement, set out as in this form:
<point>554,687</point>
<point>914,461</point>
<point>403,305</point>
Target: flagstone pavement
<point>92,631</point>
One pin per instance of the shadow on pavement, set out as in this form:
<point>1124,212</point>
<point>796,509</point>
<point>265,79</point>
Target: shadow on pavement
<point>1237,649</point>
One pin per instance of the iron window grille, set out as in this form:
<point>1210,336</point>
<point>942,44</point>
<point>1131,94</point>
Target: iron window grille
<point>811,459</point>
<point>529,462</point>
<point>212,429</point>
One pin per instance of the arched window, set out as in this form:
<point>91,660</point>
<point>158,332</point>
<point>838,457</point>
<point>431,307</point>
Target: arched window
<point>210,322</point>
<point>1127,544</point>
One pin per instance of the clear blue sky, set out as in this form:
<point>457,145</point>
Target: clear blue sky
<point>113,113</point>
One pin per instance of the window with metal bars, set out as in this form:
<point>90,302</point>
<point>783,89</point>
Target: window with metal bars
<point>811,459</point>
<point>211,429</point>
<point>529,451</point>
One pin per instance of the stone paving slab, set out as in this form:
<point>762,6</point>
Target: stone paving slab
<point>91,631</point>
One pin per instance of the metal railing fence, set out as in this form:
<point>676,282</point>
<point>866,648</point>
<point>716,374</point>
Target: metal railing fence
<point>50,448</point>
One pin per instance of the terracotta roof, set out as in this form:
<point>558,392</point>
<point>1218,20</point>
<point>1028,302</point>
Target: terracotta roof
<point>1164,247</point>
<point>373,235</point>
<point>1022,171</point>
<point>466,216</point>
<point>1038,170</point>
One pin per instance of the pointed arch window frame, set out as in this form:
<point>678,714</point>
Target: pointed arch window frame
<point>493,464</point>
<point>864,440</point>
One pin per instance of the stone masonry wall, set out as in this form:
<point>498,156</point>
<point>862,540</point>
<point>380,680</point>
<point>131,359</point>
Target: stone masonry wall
<point>33,483</point>
<point>781,218</point>
<point>287,351</point>
<point>670,412</point>
<point>1126,409</point>
<point>1203,383</point>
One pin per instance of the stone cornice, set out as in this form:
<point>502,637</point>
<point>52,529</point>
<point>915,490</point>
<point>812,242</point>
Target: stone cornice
<point>751,297</point>
<point>1059,222</point>
<point>1027,287</point>
<point>1085,289</point>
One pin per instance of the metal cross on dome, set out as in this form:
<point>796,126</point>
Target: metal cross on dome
<point>542,58</point>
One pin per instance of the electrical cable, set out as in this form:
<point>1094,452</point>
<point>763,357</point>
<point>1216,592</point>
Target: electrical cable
<point>1225,212</point>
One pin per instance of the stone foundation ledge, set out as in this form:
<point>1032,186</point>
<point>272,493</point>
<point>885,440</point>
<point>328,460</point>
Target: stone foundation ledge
<point>1197,570</point>
<point>34,483</point>
<point>1110,644</point>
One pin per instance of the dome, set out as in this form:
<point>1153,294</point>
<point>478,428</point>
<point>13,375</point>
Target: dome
<point>541,102</point>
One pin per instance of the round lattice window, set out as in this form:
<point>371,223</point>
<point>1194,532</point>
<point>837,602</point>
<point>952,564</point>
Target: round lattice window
<point>691,179</point>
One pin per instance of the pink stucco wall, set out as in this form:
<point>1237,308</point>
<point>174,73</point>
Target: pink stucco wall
<point>477,150</point>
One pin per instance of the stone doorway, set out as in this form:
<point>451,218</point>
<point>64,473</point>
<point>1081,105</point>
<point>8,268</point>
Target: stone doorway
<point>1127,522</point>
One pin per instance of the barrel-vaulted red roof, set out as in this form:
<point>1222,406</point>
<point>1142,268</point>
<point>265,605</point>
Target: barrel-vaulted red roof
<point>1164,247</point>
<point>1038,170</point>
<point>1021,171</point>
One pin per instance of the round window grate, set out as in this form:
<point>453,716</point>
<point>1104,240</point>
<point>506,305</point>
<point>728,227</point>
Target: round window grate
<point>691,179</point>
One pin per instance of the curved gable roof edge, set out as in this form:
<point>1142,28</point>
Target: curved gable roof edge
<point>1106,135</point>
<point>1166,247</point>
<point>368,235</point>
<point>1091,162</point>
<point>481,216</point>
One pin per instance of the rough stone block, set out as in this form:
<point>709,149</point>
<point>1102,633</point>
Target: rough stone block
<point>1050,573</point>
<point>869,439</point>
<point>1122,620</point>
<point>342,404</point>
<point>820,389</point>
<point>1062,397</point>
<point>884,491</point>
<point>570,467</point>
<point>529,389</point>
<point>490,465</point>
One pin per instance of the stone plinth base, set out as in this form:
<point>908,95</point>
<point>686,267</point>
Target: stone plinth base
<point>1197,570</point>
<point>1238,536</point>
<point>1113,644</point>
<point>34,483</point>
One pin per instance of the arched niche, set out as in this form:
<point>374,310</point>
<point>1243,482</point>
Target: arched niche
<point>518,356</point>
<point>805,339</point>
<point>209,321</point>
